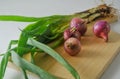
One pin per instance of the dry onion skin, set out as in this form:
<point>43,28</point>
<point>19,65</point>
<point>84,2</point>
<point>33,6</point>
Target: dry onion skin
<point>72,46</point>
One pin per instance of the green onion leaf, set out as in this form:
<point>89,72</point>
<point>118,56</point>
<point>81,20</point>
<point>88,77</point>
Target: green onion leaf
<point>18,18</point>
<point>3,64</point>
<point>30,67</point>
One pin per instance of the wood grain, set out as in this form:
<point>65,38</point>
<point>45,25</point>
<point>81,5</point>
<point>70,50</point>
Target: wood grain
<point>94,58</point>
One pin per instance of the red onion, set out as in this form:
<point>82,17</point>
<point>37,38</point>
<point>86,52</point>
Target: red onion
<point>67,34</point>
<point>79,24</point>
<point>101,29</point>
<point>71,32</point>
<point>72,46</point>
<point>77,35</point>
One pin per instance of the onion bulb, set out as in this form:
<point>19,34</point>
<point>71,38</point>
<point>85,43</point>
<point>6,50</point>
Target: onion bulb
<point>72,46</point>
<point>71,32</point>
<point>77,35</point>
<point>67,34</point>
<point>101,29</point>
<point>79,24</point>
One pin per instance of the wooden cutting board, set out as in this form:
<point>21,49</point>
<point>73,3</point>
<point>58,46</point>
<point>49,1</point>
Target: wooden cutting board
<point>95,56</point>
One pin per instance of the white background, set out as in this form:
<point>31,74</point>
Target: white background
<point>10,30</point>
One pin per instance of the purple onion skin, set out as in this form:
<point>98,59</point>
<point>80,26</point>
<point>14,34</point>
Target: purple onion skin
<point>67,34</point>
<point>83,31</point>
<point>101,29</point>
<point>77,35</point>
<point>79,24</point>
<point>72,46</point>
<point>70,32</point>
